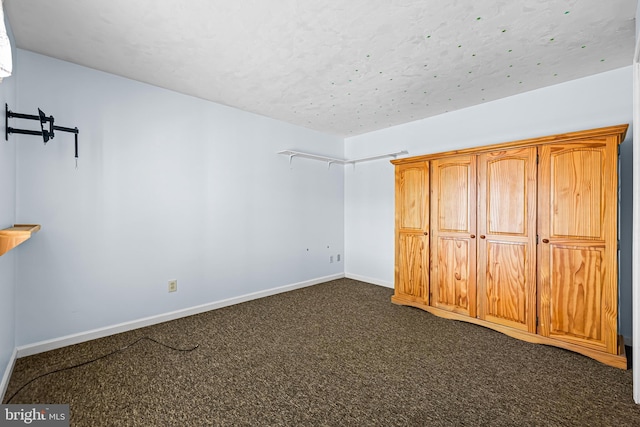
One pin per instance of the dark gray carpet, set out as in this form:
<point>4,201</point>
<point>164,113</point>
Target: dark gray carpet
<point>335,354</point>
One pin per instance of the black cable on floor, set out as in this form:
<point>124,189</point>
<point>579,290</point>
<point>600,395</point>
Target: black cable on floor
<point>98,358</point>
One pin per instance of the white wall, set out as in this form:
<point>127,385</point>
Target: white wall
<point>168,187</point>
<point>7,219</point>
<point>635,250</point>
<point>596,101</point>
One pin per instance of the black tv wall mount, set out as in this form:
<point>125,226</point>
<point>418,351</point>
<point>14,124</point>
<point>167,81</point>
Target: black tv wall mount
<point>47,126</point>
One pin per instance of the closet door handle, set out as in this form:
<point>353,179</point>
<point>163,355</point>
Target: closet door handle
<point>473,236</point>
<point>426,233</point>
<point>545,240</point>
<point>482,236</point>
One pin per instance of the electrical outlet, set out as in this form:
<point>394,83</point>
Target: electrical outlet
<point>338,257</point>
<point>173,285</point>
<point>330,259</point>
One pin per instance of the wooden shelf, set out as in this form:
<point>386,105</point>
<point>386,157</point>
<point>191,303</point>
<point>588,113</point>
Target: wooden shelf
<point>13,236</point>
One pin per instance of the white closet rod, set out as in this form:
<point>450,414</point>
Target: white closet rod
<point>330,160</point>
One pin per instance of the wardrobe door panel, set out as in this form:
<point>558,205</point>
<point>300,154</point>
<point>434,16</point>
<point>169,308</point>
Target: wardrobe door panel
<point>578,247</point>
<point>576,286</point>
<point>412,253</point>
<point>504,297</point>
<point>507,237</point>
<point>413,199</point>
<point>412,226</point>
<point>453,234</point>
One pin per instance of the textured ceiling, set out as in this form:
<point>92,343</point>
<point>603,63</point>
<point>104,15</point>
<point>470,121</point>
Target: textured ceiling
<point>337,66</point>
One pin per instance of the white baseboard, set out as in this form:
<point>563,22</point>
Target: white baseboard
<point>4,383</point>
<point>52,344</point>
<point>369,280</point>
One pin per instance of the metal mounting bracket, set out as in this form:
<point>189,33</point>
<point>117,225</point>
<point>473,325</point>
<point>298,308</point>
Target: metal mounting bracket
<point>43,119</point>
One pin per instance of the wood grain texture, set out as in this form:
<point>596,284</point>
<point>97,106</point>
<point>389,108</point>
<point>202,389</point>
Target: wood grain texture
<point>13,236</point>
<point>412,197</point>
<point>561,291</point>
<point>507,185</point>
<point>412,274</point>
<point>454,275</point>
<point>453,197</point>
<point>577,189</point>
<point>577,204</point>
<point>616,359</point>
<point>617,133</point>
<point>576,284</point>
<point>506,292</point>
<point>453,229</point>
<point>412,226</point>
<point>506,191</point>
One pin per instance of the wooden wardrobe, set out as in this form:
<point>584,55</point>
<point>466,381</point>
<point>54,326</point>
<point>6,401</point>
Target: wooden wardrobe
<point>520,237</point>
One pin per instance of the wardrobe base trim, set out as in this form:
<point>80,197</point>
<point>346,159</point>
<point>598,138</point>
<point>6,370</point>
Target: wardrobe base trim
<point>616,360</point>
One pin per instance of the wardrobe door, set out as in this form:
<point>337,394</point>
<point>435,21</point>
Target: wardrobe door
<point>453,234</point>
<point>412,237</point>
<point>507,238</point>
<point>578,243</point>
